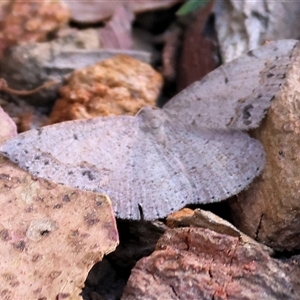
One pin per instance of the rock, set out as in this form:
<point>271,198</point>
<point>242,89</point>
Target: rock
<point>7,125</point>
<point>119,85</point>
<point>24,115</point>
<point>269,210</point>
<point>50,236</point>
<point>196,263</point>
<point>108,278</point>
<point>28,66</point>
<point>30,21</point>
<point>206,219</point>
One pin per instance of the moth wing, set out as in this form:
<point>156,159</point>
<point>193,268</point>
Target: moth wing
<point>111,155</point>
<point>238,94</point>
<point>219,163</point>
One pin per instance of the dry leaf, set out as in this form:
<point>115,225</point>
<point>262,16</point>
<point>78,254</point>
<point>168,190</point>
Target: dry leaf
<point>93,11</point>
<point>117,32</point>
<point>245,25</point>
<point>199,50</point>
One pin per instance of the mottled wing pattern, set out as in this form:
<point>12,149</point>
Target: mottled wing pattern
<point>219,163</point>
<point>111,155</point>
<point>158,161</point>
<point>238,94</point>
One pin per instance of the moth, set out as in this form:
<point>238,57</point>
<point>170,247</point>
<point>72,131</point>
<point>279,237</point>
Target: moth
<point>193,150</point>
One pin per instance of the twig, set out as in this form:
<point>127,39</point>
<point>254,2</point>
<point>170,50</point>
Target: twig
<point>4,87</point>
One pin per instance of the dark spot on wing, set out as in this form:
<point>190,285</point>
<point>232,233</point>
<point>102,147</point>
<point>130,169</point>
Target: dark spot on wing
<point>75,136</point>
<point>265,110</point>
<point>226,80</point>
<point>270,75</point>
<point>25,151</point>
<point>46,162</point>
<point>282,76</point>
<point>4,153</point>
<point>246,112</point>
<point>37,157</point>
<point>89,174</point>
<point>142,212</point>
<point>39,131</point>
<point>250,53</point>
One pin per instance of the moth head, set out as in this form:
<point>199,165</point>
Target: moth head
<point>153,118</point>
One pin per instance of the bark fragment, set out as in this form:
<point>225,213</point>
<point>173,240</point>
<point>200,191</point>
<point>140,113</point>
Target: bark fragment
<point>195,263</point>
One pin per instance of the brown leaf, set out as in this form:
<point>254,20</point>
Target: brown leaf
<point>117,32</point>
<point>91,11</point>
<point>199,51</point>
<point>50,236</point>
